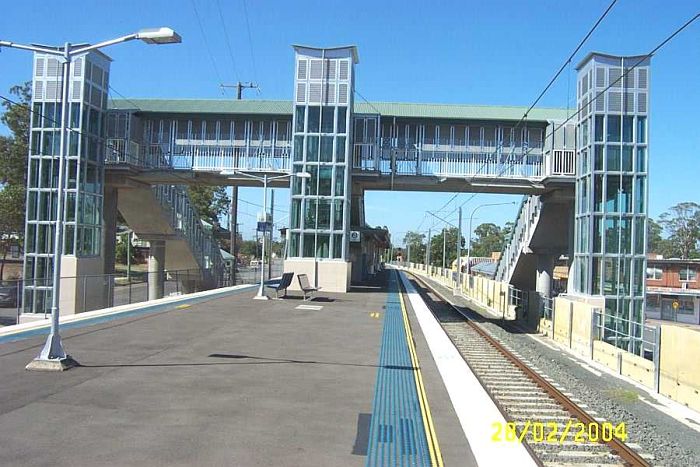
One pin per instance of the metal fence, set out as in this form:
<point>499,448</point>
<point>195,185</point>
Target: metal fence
<point>547,304</point>
<point>637,338</point>
<point>108,290</point>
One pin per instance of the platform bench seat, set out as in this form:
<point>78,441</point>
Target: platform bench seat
<point>282,284</point>
<point>306,287</point>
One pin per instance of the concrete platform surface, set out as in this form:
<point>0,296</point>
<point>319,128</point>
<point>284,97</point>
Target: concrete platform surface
<point>230,381</point>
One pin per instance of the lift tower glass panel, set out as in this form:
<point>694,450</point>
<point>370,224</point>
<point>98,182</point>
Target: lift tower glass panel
<point>611,191</point>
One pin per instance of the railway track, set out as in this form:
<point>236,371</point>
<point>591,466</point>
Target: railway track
<point>554,427</point>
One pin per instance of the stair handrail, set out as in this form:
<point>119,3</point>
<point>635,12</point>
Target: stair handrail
<point>185,219</point>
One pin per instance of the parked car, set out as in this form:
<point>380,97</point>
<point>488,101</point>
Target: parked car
<point>8,293</point>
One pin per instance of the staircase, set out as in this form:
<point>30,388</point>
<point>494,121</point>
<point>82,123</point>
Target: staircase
<point>164,212</point>
<point>523,231</point>
<point>188,225</point>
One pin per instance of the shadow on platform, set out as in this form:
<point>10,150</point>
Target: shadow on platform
<point>255,361</point>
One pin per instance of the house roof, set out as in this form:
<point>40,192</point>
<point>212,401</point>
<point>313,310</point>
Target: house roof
<point>386,109</point>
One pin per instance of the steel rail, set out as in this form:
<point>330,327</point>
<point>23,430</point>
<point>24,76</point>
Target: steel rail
<point>617,447</point>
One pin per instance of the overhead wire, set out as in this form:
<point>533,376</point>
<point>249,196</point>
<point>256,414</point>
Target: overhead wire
<point>206,43</point>
<point>623,75</point>
<point>612,84</point>
<point>542,93</point>
<point>228,41</point>
<point>568,60</point>
<point>250,40</point>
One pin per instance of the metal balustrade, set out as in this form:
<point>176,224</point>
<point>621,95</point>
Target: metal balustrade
<point>201,156</point>
<point>185,220</point>
<point>460,159</point>
<point>526,221</point>
<point>388,156</point>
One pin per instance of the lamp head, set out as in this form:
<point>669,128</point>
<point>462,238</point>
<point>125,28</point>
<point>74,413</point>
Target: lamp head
<point>159,36</point>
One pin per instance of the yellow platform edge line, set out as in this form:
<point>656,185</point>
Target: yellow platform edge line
<point>433,445</point>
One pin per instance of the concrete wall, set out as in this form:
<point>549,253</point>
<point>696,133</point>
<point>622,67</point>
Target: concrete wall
<point>88,292</point>
<point>330,276</point>
<point>679,360</point>
<point>490,297</point>
<point>680,365</point>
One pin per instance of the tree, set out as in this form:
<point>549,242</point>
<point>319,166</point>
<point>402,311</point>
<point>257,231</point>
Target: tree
<point>211,202</point>
<point>248,248</point>
<point>121,251</point>
<point>654,238</point>
<point>436,247</point>
<point>489,238</point>
<point>14,151</point>
<point>682,224</point>
<point>414,242</point>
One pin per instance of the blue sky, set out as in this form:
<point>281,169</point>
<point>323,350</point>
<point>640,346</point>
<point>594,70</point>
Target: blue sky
<point>496,52</point>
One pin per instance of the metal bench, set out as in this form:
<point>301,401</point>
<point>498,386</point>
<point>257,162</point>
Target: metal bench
<point>283,284</point>
<point>305,286</point>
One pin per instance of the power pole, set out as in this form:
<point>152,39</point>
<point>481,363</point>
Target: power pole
<point>240,87</point>
<point>272,230</point>
<point>427,248</point>
<point>459,252</point>
<point>233,230</point>
<point>444,247</point>
<point>233,211</point>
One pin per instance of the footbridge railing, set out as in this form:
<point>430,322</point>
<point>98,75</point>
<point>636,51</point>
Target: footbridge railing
<point>184,219</point>
<point>200,156</point>
<point>525,224</point>
<point>391,156</point>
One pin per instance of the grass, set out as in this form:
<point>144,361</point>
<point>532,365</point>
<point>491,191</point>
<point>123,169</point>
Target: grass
<point>134,267</point>
<point>622,395</point>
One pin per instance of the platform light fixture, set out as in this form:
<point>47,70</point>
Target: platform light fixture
<point>231,174</point>
<point>158,36</point>
<point>52,355</point>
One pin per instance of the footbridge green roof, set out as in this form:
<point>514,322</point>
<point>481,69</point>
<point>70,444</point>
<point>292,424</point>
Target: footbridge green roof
<point>385,109</point>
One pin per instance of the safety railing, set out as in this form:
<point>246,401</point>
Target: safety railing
<point>104,290</point>
<point>525,224</point>
<point>563,163</point>
<point>547,304</point>
<point>265,155</point>
<point>120,151</point>
<point>486,159</point>
<point>185,220</point>
<point>635,337</point>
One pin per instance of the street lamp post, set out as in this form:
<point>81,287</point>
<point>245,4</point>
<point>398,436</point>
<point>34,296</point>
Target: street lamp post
<point>471,217</point>
<point>264,179</point>
<point>53,355</point>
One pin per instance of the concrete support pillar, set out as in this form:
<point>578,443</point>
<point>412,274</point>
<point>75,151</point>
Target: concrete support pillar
<point>156,268</point>
<point>233,228</point>
<point>109,240</point>
<point>545,268</point>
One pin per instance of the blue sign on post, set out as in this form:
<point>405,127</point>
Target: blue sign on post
<point>264,226</point>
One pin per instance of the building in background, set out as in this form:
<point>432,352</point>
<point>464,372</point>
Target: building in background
<point>673,290</point>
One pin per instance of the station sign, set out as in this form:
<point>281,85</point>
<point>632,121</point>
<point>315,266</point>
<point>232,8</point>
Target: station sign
<point>264,227</point>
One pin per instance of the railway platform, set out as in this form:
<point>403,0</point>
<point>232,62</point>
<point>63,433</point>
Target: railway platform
<point>346,379</point>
